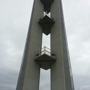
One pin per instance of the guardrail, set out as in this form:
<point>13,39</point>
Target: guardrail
<point>48,16</point>
<point>46,51</point>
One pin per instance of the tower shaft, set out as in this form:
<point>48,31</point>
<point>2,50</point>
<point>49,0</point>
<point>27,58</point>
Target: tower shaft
<point>30,71</point>
<point>61,78</point>
<point>59,63</point>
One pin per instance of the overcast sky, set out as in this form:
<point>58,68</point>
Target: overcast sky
<point>14,22</point>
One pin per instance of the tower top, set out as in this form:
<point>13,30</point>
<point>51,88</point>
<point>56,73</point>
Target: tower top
<point>47,5</point>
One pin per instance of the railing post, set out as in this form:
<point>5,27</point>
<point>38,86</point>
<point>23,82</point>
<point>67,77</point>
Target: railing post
<point>44,49</point>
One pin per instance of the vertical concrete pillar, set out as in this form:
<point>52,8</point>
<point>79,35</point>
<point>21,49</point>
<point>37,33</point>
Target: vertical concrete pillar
<point>60,71</point>
<point>61,77</point>
<point>30,71</point>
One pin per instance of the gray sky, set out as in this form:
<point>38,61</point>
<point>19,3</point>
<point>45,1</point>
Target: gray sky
<point>14,21</point>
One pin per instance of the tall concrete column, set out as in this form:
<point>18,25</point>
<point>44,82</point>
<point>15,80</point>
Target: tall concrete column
<point>61,78</point>
<point>56,59</point>
<point>30,71</point>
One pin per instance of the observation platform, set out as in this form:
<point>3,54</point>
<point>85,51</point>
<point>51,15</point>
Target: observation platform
<point>46,22</point>
<point>45,57</point>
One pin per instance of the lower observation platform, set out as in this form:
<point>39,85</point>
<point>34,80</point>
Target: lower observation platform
<point>45,57</point>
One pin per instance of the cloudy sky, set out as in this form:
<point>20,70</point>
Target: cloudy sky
<point>14,21</point>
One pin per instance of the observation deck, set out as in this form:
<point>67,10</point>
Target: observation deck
<point>45,57</point>
<point>46,22</point>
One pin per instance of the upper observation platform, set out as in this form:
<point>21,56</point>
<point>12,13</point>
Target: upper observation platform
<point>46,23</point>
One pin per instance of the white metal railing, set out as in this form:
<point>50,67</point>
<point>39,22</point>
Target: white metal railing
<point>49,15</point>
<point>46,51</point>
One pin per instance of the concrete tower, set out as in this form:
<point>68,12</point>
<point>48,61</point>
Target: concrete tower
<point>36,57</point>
